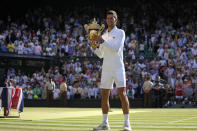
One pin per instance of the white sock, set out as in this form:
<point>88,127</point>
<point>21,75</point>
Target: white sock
<point>126,118</point>
<point>105,118</point>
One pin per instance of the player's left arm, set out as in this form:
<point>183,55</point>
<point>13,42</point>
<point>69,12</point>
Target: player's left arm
<point>116,45</point>
<point>119,42</point>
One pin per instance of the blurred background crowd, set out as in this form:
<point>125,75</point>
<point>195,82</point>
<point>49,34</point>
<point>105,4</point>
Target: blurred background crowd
<point>161,40</point>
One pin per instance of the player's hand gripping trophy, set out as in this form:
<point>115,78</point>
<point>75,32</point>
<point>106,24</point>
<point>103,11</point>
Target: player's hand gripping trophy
<point>93,29</point>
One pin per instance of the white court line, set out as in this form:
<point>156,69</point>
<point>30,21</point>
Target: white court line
<point>118,122</point>
<point>183,120</point>
<point>38,128</point>
<point>18,128</point>
<point>48,124</point>
<point>98,122</point>
<point>163,127</point>
<point>83,125</point>
<point>91,126</point>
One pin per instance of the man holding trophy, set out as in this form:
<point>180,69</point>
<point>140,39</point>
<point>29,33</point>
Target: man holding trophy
<point>109,46</point>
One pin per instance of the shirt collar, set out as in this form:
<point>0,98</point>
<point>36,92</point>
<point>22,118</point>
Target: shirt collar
<point>112,29</point>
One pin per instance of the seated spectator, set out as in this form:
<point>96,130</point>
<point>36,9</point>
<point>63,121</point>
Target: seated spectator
<point>77,91</point>
<point>51,53</point>
<point>170,95</point>
<point>48,49</point>
<point>96,91</point>
<point>20,48</point>
<point>21,85</point>
<point>91,93</point>
<point>179,93</point>
<point>70,92</point>
<point>37,49</point>
<point>141,48</point>
<point>131,54</point>
<point>78,69</point>
<point>25,93</point>
<point>114,93</point>
<point>135,45</point>
<point>30,94</point>
<point>130,92</point>
<point>187,93</point>
<point>29,49</point>
<point>56,94</point>
<point>11,47</point>
<point>39,91</point>
<point>195,95</point>
<point>3,47</point>
<point>51,86</point>
<point>135,86</point>
<point>63,91</point>
<point>84,92</point>
<point>44,91</point>
<point>25,50</point>
<point>172,80</point>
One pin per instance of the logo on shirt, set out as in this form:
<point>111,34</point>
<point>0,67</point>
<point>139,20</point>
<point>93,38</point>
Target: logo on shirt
<point>114,37</point>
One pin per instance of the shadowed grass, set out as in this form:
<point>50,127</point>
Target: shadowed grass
<point>84,119</point>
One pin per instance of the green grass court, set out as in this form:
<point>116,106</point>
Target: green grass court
<point>84,119</point>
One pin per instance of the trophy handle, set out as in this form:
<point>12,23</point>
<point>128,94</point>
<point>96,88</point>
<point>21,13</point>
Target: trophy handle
<point>88,36</point>
<point>101,29</point>
<point>86,28</point>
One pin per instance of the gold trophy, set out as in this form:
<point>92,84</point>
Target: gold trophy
<point>94,29</point>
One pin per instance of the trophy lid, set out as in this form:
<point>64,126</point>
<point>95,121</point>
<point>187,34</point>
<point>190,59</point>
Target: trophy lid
<point>94,25</point>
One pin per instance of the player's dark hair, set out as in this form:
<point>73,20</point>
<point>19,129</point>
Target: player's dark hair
<point>112,12</point>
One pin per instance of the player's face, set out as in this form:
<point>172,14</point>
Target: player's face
<point>111,20</point>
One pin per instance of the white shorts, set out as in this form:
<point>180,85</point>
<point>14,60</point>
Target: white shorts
<point>109,77</point>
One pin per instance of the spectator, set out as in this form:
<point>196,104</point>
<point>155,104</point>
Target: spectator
<point>77,91</point>
<point>130,92</point>
<point>187,93</point>
<point>20,48</point>
<point>179,92</point>
<point>37,49</point>
<point>37,92</point>
<point>195,95</point>
<point>63,92</point>
<point>44,90</point>
<point>70,92</point>
<point>3,48</point>
<point>30,94</point>
<point>50,89</point>
<point>56,95</point>
<point>11,47</point>
<point>91,93</point>
<point>147,87</point>
<point>170,95</point>
<point>25,92</point>
<point>84,92</point>
<point>114,93</point>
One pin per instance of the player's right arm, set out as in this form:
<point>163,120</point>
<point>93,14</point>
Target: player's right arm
<point>98,50</point>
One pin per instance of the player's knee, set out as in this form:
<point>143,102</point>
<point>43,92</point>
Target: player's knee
<point>122,94</point>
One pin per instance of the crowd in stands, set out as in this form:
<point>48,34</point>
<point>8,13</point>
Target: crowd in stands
<point>80,78</point>
<point>171,37</point>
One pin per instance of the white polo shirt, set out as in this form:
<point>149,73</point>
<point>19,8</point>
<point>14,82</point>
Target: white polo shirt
<point>112,50</point>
